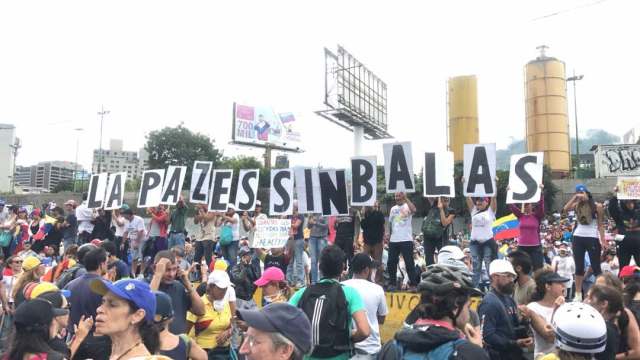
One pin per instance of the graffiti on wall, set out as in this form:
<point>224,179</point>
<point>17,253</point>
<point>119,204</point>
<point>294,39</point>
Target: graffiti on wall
<point>619,160</point>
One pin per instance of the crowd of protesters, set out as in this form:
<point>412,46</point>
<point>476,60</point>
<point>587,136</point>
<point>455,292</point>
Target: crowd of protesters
<point>93,284</point>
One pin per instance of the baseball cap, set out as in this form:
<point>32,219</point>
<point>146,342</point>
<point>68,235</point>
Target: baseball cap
<point>581,188</point>
<point>244,250</point>
<point>136,291</point>
<point>219,278</point>
<point>36,212</point>
<point>258,203</point>
<point>30,263</point>
<point>361,261</point>
<point>231,206</point>
<point>96,242</point>
<point>282,318</point>
<point>57,300</point>
<point>36,313</point>
<point>270,274</point>
<point>501,266</point>
<point>220,265</point>
<point>629,270</point>
<point>553,277</point>
<point>164,307</point>
<point>46,287</point>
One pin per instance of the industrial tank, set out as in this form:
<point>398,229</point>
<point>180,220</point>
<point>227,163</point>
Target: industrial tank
<point>547,122</point>
<point>463,114</point>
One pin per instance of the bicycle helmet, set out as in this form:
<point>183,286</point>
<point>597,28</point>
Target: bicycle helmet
<point>579,328</point>
<point>440,279</point>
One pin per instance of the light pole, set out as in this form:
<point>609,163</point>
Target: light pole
<point>75,172</point>
<point>102,113</point>
<point>573,79</point>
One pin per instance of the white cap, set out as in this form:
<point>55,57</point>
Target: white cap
<point>501,266</point>
<point>231,206</point>
<point>258,203</point>
<point>219,278</point>
<point>449,252</point>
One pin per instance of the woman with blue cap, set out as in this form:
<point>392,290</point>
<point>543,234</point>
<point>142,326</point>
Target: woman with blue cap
<point>588,236</point>
<point>126,315</point>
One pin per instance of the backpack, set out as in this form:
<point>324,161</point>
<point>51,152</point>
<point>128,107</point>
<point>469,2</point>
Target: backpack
<point>432,226</point>
<point>325,305</point>
<point>445,351</point>
<point>67,276</point>
<point>226,235</point>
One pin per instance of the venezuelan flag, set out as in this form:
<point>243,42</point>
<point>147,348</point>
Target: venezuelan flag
<point>507,227</point>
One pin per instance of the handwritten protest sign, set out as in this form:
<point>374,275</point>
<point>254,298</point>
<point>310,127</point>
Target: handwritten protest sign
<point>271,233</point>
<point>628,188</point>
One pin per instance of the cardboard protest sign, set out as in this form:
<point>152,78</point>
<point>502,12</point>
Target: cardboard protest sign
<point>97,189</point>
<point>172,185</point>
<point>220,190</point>
<point>281,199</point>
<point>398,167</point>
<point>308,190</point>
<point>115,191</point>
<point>200,182</point>
<point>333,192</point>
<point>628,188</point>
<point>271,233</point>
<point>247,193</point>
<point>364,182</point>
<point>479,170</point>
<point>151,188</point>
<point>438,174</point>
<point>525,177</point>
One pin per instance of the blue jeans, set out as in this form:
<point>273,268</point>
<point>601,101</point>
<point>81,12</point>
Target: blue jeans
<point>316,244</point>
<point>176,239</point>
<point>481,252</point>
<point>295,271</point>
<point>230,252</point>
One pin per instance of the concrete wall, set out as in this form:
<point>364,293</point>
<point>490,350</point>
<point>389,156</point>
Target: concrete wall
<point>601,189</point>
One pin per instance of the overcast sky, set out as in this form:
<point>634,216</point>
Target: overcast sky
<point>159,63</point>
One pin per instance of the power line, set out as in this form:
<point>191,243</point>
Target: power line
<point>568,10</point>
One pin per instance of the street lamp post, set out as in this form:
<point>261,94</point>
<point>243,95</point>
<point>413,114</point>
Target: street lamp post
<point>573,79</point>
<point>102,113</point>
<point>75,172</point>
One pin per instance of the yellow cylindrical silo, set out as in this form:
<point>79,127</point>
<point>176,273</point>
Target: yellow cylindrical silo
<point>547,122</point>
<point>463,114</point>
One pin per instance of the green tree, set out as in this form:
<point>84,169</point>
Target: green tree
<point>180,146</point>
<point>132,185</point>
<point>64,185</point>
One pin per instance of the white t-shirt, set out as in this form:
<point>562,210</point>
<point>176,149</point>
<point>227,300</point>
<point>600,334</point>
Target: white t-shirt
<point>8,281</point>
<point>84,216</point>
<point>566,267</point>
<point>542,346</point>
<point>136,224</point>
<point>120,229</point>
<point>376,304</point>
<point>481,224</point>
<point>590,230</point>
<point>400,219</point>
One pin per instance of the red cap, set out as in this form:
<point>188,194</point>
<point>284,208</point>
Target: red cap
<point>270,274</point>
<point>628,270</point>
<point>96,242</point>
<point>35,212</point>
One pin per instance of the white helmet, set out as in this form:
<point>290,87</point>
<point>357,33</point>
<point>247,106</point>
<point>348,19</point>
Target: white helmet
<point>579,328</point>
<point>449,252</point>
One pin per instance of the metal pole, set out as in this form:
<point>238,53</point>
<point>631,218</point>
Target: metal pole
<point>575,114</point>
<point>358,135</point>
<point>75,168</point>
<point>102,113</point>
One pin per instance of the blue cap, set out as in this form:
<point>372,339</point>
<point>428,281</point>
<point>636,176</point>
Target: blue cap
<point>164,307</point>
<point>2,203</point>
<point>581,188</point>
<point>136,291</point>
<point>282,318</point>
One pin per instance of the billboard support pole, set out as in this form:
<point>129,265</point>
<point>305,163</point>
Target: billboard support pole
<point>358,135</point>
<point>267,157</point>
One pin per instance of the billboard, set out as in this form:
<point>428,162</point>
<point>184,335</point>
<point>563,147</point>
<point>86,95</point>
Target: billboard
<point>261,126</point>
<point>617,160</point>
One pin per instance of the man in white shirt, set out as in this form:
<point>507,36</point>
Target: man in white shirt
<point>401,240</point>
<point>85,217</point>
<point>374,301</point>
<point>135,234</point>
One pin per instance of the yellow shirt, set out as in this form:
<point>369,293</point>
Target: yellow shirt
<point>211,324</point>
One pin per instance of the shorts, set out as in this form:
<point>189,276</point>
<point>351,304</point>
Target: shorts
<point>136,252</point>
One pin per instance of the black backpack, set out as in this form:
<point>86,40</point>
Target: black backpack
<point>67,276</point>
<point>326,307</point>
